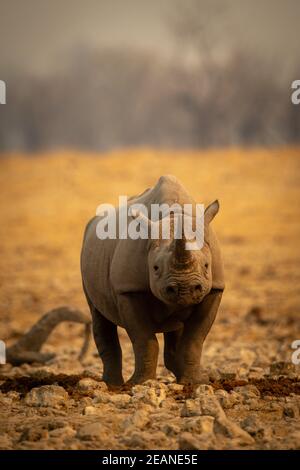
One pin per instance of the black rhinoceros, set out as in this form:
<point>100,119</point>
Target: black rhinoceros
<point>148,286</point>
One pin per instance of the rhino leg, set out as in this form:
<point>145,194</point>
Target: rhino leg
<point>171,340</point>
<point>145,354</point>
<point>195,331</point>
<point>108,345</point>
<point>141,332</point>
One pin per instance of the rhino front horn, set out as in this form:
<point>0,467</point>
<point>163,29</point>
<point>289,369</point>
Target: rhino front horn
<point>181,254</point>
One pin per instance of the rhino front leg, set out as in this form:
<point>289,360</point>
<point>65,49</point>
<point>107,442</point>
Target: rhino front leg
<point>145,354</point>
<point>142,335</point>
<point>108,345</point>
<point>195,331</point>
<point>171,340</point>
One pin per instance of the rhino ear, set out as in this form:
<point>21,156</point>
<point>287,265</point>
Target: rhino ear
<point>211,211</point>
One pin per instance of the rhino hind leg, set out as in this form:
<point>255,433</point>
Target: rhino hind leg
<point>171,340</point>
<point>108,345</point>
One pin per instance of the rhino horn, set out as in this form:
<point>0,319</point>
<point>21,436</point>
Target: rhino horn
<point>182,256</point>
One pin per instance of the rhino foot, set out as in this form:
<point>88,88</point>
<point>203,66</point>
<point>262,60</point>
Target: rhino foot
<point>201,378</point>
<point>136,378</point>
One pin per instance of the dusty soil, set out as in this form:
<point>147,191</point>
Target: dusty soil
<point>252,398</point>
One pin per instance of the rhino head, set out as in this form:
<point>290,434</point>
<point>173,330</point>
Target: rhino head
<point>178,276</point>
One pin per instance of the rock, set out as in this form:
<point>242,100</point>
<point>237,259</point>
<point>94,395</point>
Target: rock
<point>89,385</point>
<point>13,395</point>
<point>34,434</point>
<point>137,440</point>
<point>238,357</point>
<point>174,387</point>
<point>101,397</point>
<point>148,395</point>
<point>92,410</point>
<point>199,425</point>
<point>145,440</point>
<point>169,404</point>
<point>214,375</point>
<point>7,368</point>
<point>256,373</point>
<point>204,390</point>
<point>92,431</point>
<point>242,372</point>
<point>293,441</point>
<point>190,408</point>
<point>250,424</point>
<point>5,442</point>
<point>171,429</point>
<point>228,372</point>
<point>247,391</point>
<point>158,416</point>
<point>156,384</point>
<point>121,400</point>
<point>291,410</point>
<point>254,404</point>
<point>187,441</point>
<point>256,429</point>
<point>247,356</point>
<point>85,401</point>
<point>5,400</point>
<point>231,430</point>
<point>274,406</point>
<point>282,368</point>
<point>139,419</point>
<point>48,395</point>
<point>209,405</point>
<point>204,405</point>
<point>228,400</point>
<point>66,432</point>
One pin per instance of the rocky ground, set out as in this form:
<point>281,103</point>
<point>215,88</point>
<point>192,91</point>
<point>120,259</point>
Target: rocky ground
<point>248,402</point>
<point>252,394</point>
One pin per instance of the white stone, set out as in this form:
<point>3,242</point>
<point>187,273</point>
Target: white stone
<point>48,395</point>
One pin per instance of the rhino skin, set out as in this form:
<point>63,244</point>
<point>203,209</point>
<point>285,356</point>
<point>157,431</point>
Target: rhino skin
<point>150,286</point>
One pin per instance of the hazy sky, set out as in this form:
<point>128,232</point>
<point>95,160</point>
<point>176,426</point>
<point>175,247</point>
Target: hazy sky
<point>34,33</point>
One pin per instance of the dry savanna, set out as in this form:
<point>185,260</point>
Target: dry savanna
<point>251,399</point>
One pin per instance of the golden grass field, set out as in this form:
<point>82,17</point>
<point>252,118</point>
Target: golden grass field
<point>46,200</point>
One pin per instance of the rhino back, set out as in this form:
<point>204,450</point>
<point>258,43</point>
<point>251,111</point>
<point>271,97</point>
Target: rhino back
<point>168,190</point>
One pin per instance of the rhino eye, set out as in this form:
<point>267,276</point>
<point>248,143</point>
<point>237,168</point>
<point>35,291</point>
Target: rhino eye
<point>155,267</point>
<point>206,265</point>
